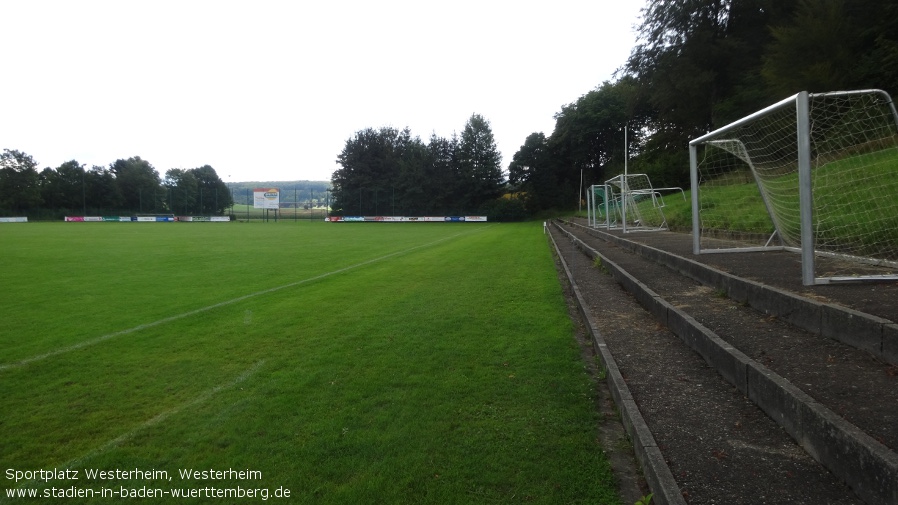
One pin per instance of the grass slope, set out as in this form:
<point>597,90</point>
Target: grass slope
<point>348,363</point>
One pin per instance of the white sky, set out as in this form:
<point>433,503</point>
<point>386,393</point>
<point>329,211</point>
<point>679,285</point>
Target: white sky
<point>271,90</point>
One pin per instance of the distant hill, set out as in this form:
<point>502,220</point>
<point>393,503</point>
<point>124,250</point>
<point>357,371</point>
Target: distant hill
<point>301,192</point>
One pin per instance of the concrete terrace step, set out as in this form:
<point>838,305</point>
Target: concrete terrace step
<point>800,377</point>
<point>860,315</point>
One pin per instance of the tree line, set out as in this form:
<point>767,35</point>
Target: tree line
<point>127,186</point>
<point>699,65</point>
<point>390,172</point>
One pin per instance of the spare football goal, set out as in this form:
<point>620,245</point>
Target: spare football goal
<point>816,173</point>
<point>627,202</point>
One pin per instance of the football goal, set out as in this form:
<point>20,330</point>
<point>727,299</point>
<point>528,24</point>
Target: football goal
<point>627,202</point>
<point>597,206</point>
<point>816,173</point>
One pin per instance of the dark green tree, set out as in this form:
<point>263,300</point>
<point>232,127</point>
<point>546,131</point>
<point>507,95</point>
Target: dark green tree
<point>589,133</point>
<point>410,190</point>
<point>833,45</point>
<point>877,63</point>
<point>50,190</point>
<point>103,193</point>
<point>183,190</point>
<point>587,143</point>
<point>389,171</point>
<point>19,182</point>
<point>64,188</point>
<point>479,166</point>
<point>372,167</point>
<point>440,175</point>
<point>696,66</point>
<point>214,195</point>
<point>698,61</point>
<point>531,174</point>
<point>815,51</point>
<point>139,185</point>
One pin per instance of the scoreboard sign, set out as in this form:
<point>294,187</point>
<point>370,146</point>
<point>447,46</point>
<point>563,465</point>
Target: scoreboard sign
<point>266,198</point>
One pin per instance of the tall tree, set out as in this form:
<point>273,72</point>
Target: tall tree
<point>19,182</point>
<point>388,170</point>
<point>372,165</point>
<point>214,194</point>
<point>183,190</point>
<point>65,187</point>
<point>139,184</point>
<point>877,65</point>
<point>590,132</point>
<point>103,194</point>
<point>833,45</point>
<point>439,175</point>
<point>410,190</point>
<point>479,165</point>
<point>815,51</point>
<point>697,65</point>
<point>531,173</point>
<point>699,59</point>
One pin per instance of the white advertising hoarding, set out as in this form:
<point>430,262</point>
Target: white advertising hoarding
<point>266,198</point>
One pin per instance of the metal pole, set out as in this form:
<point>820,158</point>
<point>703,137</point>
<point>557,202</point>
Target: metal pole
<point>696,219</point>
<point>624,187</point>
<point>580,194</point>
<point>805,193</point>
<point>83,193</point>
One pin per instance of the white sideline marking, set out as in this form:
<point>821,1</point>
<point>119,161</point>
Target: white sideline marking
<point>158,418</point>
<point>94,341</point>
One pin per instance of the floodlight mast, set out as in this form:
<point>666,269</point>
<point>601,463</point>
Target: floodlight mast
<point>624,190</point>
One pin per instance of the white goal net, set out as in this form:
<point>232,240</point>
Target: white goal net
<point>628,202</point>
<point>815,173</point>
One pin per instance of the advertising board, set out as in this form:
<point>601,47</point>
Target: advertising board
<point>266,198</point>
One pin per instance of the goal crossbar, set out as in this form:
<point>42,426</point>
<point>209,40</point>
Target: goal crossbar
<point>789,161</point>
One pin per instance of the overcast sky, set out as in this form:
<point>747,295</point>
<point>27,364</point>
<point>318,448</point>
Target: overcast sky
<point>271,90</point>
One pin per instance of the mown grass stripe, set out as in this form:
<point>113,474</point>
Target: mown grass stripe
<point>108,336</point>
<point>445,375</point>
<point>157,419</point>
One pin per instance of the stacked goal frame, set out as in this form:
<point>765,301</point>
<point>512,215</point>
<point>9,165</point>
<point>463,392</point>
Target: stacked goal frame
<point>628,202</point>
<point>821,171</point>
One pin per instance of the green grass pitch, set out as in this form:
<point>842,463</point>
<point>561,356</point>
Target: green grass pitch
<point>336,363</point>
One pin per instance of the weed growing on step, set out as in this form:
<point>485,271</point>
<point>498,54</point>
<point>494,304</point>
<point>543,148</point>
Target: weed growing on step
<point>645,500</point>
<point>597,262</point>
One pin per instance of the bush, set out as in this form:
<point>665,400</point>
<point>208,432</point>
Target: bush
<point>504,210</point>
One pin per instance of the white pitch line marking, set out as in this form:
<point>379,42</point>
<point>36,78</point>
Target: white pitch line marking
<point>108,336</point>
<point>158,418</point>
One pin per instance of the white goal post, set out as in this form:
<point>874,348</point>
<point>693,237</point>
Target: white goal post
<point>815,173</point>
<point>627,202</point>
